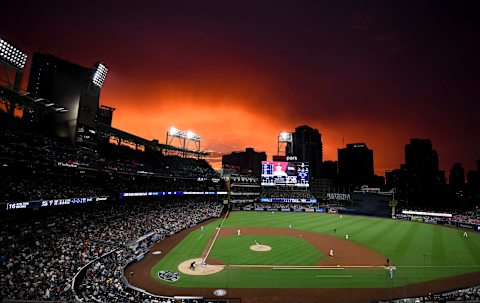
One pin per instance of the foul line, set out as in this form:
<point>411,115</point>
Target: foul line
<point>315,268</point>
<point>346,266</point>
<point>437,266</point>
<point>214,239</point>
<point>308,267</point>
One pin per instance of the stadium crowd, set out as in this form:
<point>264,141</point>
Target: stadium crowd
<point>471,294</point>
<point>40,149</point>
<point>40,255</point>
<point>63,184</point>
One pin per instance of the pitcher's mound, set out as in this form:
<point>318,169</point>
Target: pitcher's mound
<point>207,269</point>
<point>260,248</point>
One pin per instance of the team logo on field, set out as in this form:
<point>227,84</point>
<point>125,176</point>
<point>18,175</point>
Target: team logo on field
<point>169,276</point>
<point>220,292</point>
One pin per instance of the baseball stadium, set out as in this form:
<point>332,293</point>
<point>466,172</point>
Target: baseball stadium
<point>92,212</point>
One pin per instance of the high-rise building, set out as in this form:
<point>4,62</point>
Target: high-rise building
<point>249,161</point>
<point>72,86</point>
<point>421,160</point>
<point>456,179</point>
<point>473,179</point>
<point>419,182</point>
<point>329,170</point>
<point>355,164</point>
<point>307,147</point>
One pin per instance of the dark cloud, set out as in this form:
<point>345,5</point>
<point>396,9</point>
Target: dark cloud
<point>376,71</point>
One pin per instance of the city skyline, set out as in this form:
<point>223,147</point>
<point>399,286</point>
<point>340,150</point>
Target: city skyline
<point>239,76</point>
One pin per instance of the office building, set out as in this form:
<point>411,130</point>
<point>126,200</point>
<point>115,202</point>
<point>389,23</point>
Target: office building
<point>355,164</point>
<point>249,162</point>
<point>307,147</point>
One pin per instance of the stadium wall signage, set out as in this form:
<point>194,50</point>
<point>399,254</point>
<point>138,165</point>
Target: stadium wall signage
<point>54,202</point>
<point>170,193</point>
<point>337,196</point>
<point>288,200</point>
<point>63,164</point>
<point>423,213</point>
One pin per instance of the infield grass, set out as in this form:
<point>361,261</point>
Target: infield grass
<point>235,250</point>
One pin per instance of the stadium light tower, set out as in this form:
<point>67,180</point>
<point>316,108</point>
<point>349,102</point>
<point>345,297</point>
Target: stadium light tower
<point>100,75</point>
<point>13,61</point>
<point>285,139</point>
<point>184,139</point>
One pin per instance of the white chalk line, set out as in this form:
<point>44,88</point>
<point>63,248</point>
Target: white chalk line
<point>311,268</point>
<point>308,266</point>
<point>214,239</point>
<point>348,266</point>
<point>335,276</point>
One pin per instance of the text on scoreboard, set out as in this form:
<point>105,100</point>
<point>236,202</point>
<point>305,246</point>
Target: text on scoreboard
<point>277,173</point>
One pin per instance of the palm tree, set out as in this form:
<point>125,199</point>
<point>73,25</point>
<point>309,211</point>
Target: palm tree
<point>393,203</point>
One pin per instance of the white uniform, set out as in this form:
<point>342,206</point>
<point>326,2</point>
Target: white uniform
<point>331,253</point>
<point>346,236</point>
<point>290,226</point>
<point>201,228</point>
<point>465,234</point>
<point>238,232</point>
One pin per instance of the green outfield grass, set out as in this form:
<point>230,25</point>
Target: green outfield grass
<point>421,252</point>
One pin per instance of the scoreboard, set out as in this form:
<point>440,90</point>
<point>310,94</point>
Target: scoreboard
<point>278,173</point>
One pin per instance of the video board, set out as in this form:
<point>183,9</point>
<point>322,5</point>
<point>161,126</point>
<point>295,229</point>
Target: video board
<point>277,173</point>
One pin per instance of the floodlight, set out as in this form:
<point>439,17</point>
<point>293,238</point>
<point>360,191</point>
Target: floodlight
<point>285,137</point>
<point>190,134</point>
<point>12,55</point>
<point>173,131</point>
<point>100,75</point>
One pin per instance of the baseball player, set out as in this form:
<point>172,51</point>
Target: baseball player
<point>331,253</point>
<point>465,235</point>
<point>238,232</point>
<point>346,236</point>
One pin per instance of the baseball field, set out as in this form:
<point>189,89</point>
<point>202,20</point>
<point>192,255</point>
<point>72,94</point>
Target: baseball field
<point>423,257</point>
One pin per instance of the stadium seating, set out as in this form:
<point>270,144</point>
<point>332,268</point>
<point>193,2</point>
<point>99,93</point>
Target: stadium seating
<point>41,253</point>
